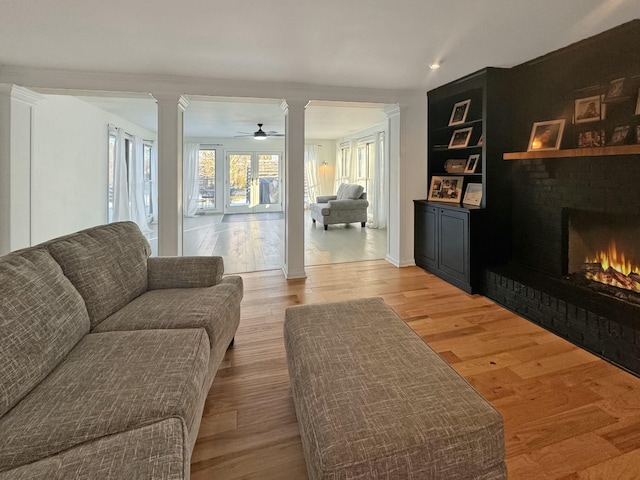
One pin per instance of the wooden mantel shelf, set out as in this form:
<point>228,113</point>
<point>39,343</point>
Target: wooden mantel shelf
<point>575,152</point>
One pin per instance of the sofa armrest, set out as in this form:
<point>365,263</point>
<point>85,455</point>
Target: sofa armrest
<point>325,198</point>
<point>348,204</point>
<point>184,272</point>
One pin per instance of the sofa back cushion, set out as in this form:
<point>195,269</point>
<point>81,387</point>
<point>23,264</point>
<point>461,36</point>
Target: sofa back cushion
<point>42,317</point>
<point>349,191</point>
<point>106,264</point>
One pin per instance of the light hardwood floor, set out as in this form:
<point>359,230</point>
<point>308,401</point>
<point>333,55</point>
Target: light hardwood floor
<point>568,414</point>
<point>255,242</point>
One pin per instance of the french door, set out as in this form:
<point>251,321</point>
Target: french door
<point>253,182</point>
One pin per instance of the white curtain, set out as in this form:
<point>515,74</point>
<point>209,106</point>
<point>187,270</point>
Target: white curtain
<point>353,163</point>
<point>154,183</point>
<point>377,195</point>
<point>120,180</point>
<point>191,189</point>
<point>136,179</point>
<point>311,171</point>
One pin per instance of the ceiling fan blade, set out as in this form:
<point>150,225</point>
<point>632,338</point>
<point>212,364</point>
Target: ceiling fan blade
<point>245,135</point>
<point>275,134</point>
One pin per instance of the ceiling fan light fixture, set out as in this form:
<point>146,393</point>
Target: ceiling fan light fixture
<point>260,134</point>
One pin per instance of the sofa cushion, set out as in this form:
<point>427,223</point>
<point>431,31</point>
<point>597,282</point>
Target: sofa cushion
<point>106,264</point>
<point>349,191</point>
<point>110,383</point>
<point>42,317</point>
<point>158,450</point>
<point>210,308</point>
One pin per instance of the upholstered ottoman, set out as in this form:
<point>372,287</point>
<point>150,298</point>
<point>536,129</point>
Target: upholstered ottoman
<point>375,402</point>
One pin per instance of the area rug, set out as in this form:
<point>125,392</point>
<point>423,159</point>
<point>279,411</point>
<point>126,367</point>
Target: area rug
<point>252,217</point>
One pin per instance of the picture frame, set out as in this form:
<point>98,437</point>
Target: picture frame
<point>480,141</point>
<point>472,163</point>
<point>460,138</point>
<point>459,112</point>
<point>473,194</point>
<point>619,135</point>
<point>638,134</point>
<point>616,89</point>
<point>592,138</point>
<point>546,135</point>
<point>638,103</point>
<point>455,165</point>
<point>588,109</point>
<point>446,189</point>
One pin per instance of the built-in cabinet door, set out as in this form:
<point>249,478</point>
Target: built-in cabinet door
<point>453,240</point>
<point>426,245</point>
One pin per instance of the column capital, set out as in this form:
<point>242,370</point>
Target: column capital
<point>292,103</point>
<point>21,94</point>
<point>171,99</point>
<point>392,110</point>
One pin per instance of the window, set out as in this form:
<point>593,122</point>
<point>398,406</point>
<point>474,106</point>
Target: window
<point>207,179</point>
<point>345,154</point>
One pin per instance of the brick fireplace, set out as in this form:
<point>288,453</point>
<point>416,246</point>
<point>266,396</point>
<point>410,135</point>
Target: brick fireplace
<point>552,199</point>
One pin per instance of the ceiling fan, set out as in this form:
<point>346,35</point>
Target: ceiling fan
<point>261,134</point>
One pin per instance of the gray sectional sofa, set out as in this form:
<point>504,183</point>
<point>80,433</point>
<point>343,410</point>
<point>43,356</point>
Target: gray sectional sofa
<point>107,355</point>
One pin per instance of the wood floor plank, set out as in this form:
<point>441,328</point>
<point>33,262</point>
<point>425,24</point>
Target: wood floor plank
<point>568,414</point>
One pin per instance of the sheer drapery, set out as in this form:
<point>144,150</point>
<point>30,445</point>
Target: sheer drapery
<point>154,183</point>
<point>136,180</point>
<point>191,188</point>
<point>120,179</point>
<point>311,171</point>
<point>377,195</point>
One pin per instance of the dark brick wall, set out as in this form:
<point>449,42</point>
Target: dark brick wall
<point>603,336</point>
<point>542,188</point>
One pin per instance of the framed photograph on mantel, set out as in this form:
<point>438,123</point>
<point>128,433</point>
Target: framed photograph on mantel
<point>460,138</point>
<point>588,109</point>
<point>459,113</point>
<point>546,135</point>
<point>446,189</point>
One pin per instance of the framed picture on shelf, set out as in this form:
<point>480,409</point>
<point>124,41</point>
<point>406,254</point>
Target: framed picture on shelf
<point>638,103</point>
<point>616,89</point>
<point>460,138</point>
<point>472,163</point>
<point>619,135</point>
<point>459,113</point>
<point>591,138</point>
<point>588,109</point>
<point>480,141</point>
<point>445,189</point>
<point>455,165</point>
<point>637,133</point>
<point>546,135</point>
<point>473,195</point>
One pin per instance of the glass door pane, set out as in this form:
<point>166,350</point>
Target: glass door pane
<point>268,188</point>
<point>238,182</point>
<point>207,179</point>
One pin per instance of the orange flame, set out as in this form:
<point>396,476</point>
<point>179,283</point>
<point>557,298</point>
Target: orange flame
<point>616,261</point>
<point>611,258</point>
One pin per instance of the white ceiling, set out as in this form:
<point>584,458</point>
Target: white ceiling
<point>385,44</point>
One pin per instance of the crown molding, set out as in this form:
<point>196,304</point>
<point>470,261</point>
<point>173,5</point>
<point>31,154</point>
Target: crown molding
<point>392,110</point>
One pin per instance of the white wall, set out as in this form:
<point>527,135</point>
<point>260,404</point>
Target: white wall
<point>69,173</point>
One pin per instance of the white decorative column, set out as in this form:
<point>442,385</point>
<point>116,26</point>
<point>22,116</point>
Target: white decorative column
<point>395,211</point>
<point>294,188</point>
<point>171,109</point>
<point>16,139</point>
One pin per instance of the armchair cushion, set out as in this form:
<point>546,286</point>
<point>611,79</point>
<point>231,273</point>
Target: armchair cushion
<point>349,191</point>
<point>325,198</point>
<point>348,204</point>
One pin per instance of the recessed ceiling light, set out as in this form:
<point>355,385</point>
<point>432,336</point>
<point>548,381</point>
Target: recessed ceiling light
<point>434,66</point>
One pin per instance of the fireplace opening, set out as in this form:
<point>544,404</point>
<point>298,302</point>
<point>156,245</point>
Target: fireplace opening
<point>604,253</point>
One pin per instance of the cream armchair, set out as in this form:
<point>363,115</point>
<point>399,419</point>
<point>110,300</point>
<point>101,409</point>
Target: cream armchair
<point>348,205</point>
